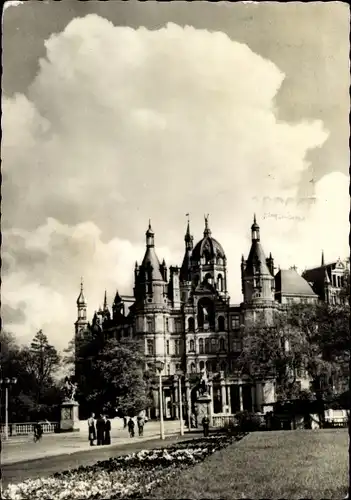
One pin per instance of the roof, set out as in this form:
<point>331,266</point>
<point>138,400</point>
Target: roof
<point>207,245</point>
<point>289,282</point>
<point>150,258</point>
<point>257,256</point>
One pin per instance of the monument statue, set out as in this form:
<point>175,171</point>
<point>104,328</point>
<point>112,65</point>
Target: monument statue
<point>204,383</point>
<point>70,389</point>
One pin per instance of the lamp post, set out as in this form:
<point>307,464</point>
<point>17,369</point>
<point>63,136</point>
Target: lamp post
<point>180,373</point>
<point>159,366</point>
<point>7,382</point>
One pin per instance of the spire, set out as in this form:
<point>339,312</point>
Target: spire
<point>207,231</point>
<point>117,298</point>
<point>150,240</point>
<point>105,301</point>
<point>188,238</point>
<point>255,230</point>
<point>81,298</point>
<point>322,260</point>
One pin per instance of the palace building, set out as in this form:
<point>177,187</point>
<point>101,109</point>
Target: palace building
<point>184,318</point>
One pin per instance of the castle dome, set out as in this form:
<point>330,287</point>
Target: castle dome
<point>208,247</point>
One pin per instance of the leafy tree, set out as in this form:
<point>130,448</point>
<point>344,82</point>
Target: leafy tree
<point>36,395</point>
<point>110,375</point>
<point>305,340</point>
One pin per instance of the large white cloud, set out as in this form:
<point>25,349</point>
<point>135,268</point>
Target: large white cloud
<point>123,124</point>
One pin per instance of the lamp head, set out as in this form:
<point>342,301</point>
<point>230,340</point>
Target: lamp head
<point>159,365</point>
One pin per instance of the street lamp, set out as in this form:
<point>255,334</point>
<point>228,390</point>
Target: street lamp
<point>7,382</point>
<point>159,366</point>
<point>180,373</point>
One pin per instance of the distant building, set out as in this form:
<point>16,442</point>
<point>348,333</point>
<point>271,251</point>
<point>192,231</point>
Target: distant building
<point>327,280</point>
<point>184,318</point>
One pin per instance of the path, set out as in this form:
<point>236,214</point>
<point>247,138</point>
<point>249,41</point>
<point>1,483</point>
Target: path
<point>23,449</point>
<point>17,472</point>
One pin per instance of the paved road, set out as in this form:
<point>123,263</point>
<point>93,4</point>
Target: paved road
<point>17,472</point>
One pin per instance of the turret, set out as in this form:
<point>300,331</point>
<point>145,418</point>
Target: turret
<point>185,270</point>
<point>255,230</point>
<point>257,272</point>
<point>117,307</point>
<point>81,304</point>
<point>150,277</point>
<point>322,259</point>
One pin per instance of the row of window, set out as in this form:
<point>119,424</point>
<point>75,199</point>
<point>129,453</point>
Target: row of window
<point>337,281</point>
<point>191,324</point>
<point>207,346</point>
<point>211,366</point>
<point>150,347</point>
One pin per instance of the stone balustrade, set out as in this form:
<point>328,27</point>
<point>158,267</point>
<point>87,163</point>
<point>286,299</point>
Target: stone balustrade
<point>25,428</point>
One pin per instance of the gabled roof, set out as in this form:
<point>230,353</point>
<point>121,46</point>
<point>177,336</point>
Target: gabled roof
<point>289,282</point>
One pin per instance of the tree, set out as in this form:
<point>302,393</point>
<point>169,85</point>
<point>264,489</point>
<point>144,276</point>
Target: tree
<point>110,375</point>
<point>35,395</point>
<point>310,339</point>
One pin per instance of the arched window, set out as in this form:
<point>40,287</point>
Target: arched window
<point>192,368</point>
<point>220,283</point>
<point>208,278</point>
<point>191,325</point>
<point>207,346</point>
<point>202,365</point>
<point>214,365</point>
<point>223,366</point>
<point>208,366</point>
<point>201,346</point>
<point>221,345</point>
<point>221,324</point>
<point>192,346</point>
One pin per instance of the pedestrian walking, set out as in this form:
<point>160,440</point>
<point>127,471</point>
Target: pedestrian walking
<point>141,423</point>
<point>125,421</point>
<point>107,431</point>
<point>206,425</point>
<point>100,430</point>
<point>131,426</point>
<point>92,429</point>
<point>38,432</point>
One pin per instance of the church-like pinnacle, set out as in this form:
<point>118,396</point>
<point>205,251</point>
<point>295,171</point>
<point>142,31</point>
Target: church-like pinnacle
<point>81,298</point>
<point>207,231</point>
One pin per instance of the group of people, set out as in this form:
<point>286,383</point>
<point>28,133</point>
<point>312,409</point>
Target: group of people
<point>101,431</point>
<point>141,420</point>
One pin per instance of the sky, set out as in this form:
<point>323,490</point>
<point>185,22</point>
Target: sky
<point>117,112</point>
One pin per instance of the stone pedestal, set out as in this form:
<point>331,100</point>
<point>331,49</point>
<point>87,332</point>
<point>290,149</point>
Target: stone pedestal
<point>203,406</point>
<point>69,417</point>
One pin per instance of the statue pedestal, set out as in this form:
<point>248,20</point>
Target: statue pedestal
<point>203,404</point>
<point>69,417</point>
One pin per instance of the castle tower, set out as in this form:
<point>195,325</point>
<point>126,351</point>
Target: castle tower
<point>81,323</point>
<point>185,270</point>
<point>209,263</point>
<point>257,275</point>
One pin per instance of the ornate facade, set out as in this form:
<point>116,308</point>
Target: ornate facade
<point>184,318</point>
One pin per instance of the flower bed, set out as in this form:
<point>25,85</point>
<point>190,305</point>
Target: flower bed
<point>127,476</point>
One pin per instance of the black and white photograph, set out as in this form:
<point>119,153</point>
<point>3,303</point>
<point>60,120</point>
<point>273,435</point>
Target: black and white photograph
<point>175,250</point>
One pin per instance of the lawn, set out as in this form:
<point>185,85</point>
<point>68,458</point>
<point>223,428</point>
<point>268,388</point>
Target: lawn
<point>281,464</point>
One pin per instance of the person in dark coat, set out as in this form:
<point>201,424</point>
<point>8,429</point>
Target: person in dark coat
<point>131,426</point>
<point>206,425</point>
<point>92,429</point>
<point>100,430</point>
<point>107,433</point>
<point>125,420</point>
<point>141,423</point>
